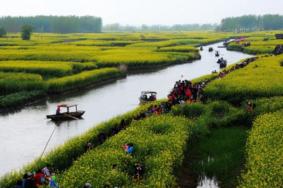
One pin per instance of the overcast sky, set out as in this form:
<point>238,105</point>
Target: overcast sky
<point>137,12</point>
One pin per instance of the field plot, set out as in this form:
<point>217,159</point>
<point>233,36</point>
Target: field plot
<point>69,61</point>
<point>262,78</point>
<point>264,152</point>
<point>159,143</point>
<point>259,43</point>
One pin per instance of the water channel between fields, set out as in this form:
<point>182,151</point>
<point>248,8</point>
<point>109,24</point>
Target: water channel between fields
<point>23,134</point>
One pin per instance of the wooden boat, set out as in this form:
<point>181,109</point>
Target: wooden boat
<point>223,64</point>
<point>68,115</point>
<point>147,96</point>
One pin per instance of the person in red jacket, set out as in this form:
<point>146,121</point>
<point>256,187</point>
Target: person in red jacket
<point>39,178</point>
<point>188,94</point>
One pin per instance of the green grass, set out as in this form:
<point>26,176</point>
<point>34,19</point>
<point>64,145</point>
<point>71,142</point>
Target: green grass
<point>159,143</point>
<point>216,147</point>
<point>262,78</point>
<point>220,155</point>
<point>260,43</point>
<point>178,49</point>
<point>20,98</point>
<point>83,79</point>
<point>264,105</point>
<point>17,82</point>
<point>214,114</point>
<point>264,152</point>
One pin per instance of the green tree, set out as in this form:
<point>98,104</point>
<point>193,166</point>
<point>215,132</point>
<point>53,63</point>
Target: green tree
<point>26,32</point>
<point>3,32</point>
<point>54,24</point>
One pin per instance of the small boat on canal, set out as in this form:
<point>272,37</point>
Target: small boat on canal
<point>222,63</point>
<point>147,96</point>
<point>217,54</point>
<point>68,114</point>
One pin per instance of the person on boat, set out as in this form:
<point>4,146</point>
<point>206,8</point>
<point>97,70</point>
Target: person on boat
<point>58,110</point>
<point>219,61</point>
<point>217,54</point>
<point>144,97</point>
<point>152,97</point>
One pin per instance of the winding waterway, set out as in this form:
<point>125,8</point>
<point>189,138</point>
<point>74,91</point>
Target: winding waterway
<point>23,134</point>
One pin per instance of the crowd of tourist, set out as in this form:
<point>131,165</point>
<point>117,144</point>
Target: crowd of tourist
<point>42,177</point>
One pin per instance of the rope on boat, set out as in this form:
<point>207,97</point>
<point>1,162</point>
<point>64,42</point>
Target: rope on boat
<point>47,142</point>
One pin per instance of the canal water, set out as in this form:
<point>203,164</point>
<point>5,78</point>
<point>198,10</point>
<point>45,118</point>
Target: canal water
<point>23,134</point>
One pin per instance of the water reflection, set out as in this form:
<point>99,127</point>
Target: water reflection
<point>206,182</point>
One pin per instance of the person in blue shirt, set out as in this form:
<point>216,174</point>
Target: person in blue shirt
<point>130,148</point>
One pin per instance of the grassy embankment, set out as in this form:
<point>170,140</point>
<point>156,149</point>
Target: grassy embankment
<point>260,43</point>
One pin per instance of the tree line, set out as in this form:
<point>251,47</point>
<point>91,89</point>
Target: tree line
<point>53,24</point>
<point>251,23</point>
<point>157,28</point>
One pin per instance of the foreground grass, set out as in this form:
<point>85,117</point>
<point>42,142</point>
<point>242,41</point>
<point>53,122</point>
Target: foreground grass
<point>264,152</point>
<point>159,144</point>
<point>63,156</point>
